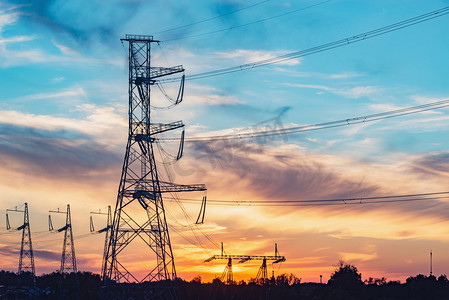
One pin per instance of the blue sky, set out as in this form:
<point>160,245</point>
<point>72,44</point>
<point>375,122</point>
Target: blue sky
<point>63,124</point>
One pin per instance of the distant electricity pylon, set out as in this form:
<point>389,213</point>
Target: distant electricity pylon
<point>139,212</point>
<point>26,260</point>
<point>68,259</point>
<point>227,275</point>
<point>106,229</point>
<point>68,289</point>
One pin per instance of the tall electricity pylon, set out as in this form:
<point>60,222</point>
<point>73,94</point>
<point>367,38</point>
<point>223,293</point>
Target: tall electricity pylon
<point>139,212</point>
<point>26,260</point>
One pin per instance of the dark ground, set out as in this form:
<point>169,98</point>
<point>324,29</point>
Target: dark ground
<point>345,284</point>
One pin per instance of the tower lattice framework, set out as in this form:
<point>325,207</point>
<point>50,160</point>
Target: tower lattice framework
<point>26,259</point>
<point>68,259</point>
<point>68,285</point>
<point>139,212</point>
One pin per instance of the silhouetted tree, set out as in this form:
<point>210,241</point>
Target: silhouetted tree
<point>425,287</point>
<point>8,278</point>
<point>345,276</point>
<point>442,279</point>
<point>376,281</point>
<point>345,283</point>
<point>196,279</point>
<point>285,279</point>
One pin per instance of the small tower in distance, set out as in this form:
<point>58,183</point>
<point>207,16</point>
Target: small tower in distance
<point>26,259</point>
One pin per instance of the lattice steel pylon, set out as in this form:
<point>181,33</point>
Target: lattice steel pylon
<point>26,260</point>
<point>139,212</point>
<point>68,287</point>
<point>106,229</point>
<point>68,259</point>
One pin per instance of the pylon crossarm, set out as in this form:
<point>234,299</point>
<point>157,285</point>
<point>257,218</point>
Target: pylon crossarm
<point>280,259</point>
<point>161,127</point>
<point>8,225</point>
<point>139,38</point>
<point>168,187</point>
<point>248,257</point>
<point>104,229</point>
<point>156,72</point>
<point>63,228</point>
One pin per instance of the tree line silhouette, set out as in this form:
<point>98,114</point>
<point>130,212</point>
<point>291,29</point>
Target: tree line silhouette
<point>345,283</point>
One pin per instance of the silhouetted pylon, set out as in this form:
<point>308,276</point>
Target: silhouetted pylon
<point>141,189</point>
<point>67,290</point>
<point>26,260</point>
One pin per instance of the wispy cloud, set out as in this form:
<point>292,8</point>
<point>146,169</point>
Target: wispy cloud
<point>16,39</point>
<point>244,56</point>
<point>66,50</point>
<point>77,92</point>
<point>343,75</point>
<point>52,157</point>
<point>349,92</point>
<point>421,99</point>
<point>28,53</point>
<point>100,121</point>
<point>432,164</point>
<point>207,95</point>
<point>7,18</point>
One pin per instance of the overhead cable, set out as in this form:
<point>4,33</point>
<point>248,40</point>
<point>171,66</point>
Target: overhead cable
<point>320,126</point>
<point>321,202</point>
<point>246,24</point>
<point>339,43</point>
<point>212,18</point>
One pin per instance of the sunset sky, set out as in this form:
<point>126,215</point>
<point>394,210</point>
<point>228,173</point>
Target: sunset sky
<point>63,130</point>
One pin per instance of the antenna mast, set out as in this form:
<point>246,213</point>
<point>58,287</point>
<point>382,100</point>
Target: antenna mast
<point>431,262</point>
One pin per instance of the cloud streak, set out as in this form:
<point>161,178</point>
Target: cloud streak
<point>350,92</point>
<point>244,56</point>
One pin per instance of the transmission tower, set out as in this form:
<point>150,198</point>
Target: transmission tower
<point>26,260</point>
<point>67,290</point>
<point>140,190</point>
<point>106,229</point>
<point>261,274</point>
<point>68,260</point>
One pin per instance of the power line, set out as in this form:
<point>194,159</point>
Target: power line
<point>212,18</point>
<point>246,24</point>
<point>322,202</point>
<point>321,126</point>
<point>339,43</point>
